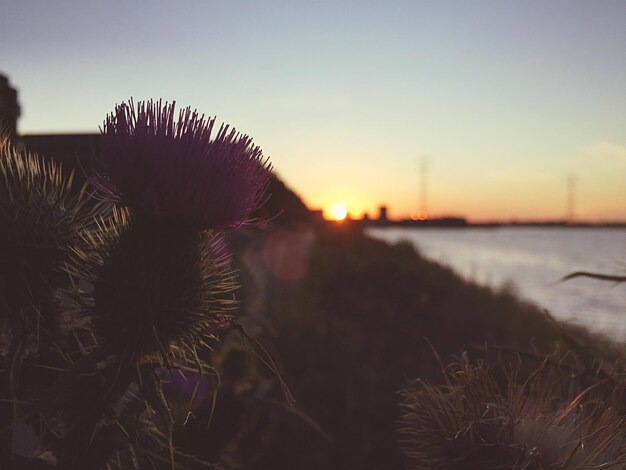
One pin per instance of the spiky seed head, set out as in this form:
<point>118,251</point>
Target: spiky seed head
<point>477,422</point>
<point>155,288</point>
<point>174,169</point>
<point>41,216</point>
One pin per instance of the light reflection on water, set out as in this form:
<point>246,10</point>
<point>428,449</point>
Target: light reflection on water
<point>532,260</point>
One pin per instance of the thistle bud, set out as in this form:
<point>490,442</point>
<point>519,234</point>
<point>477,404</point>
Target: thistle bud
<point>155,288</point>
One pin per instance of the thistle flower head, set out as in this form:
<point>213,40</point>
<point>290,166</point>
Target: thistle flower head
<point>172,168</point>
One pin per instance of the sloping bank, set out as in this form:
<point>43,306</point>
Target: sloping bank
<point>350,320</point>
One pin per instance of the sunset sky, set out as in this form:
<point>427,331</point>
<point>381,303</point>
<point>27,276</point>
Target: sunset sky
<point>504,99</point>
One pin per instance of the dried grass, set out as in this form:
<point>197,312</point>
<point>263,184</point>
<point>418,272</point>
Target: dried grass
<point>489,417</point>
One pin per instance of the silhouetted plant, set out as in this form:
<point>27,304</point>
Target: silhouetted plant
<point>41,217</point>
<point>127,294</point>
<point>488,418</point>
<point>154,289</point>
<point>42,213</point>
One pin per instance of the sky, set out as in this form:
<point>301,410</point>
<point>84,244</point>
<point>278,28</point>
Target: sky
<point>504,101</point>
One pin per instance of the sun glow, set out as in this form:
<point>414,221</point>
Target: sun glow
<point>419,215</point>
<point>339,211</point>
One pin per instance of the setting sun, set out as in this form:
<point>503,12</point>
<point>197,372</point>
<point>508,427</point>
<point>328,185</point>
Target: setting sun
<point>339,211</point>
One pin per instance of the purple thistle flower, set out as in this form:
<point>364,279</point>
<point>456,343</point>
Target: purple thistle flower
<point>173,170</point>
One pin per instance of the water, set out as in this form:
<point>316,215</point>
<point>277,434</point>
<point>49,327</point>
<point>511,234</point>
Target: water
<point>532,260</point>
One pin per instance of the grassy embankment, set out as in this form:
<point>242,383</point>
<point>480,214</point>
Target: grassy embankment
<point>358,327</point>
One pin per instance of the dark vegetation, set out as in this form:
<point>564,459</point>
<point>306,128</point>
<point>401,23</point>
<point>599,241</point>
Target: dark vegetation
<point>366,320</point>
<point>344,323</point>
<point>489,416</point>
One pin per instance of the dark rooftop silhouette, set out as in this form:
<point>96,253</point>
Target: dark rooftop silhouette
<point>9,107</point>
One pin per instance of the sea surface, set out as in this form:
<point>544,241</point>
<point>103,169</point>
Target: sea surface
<point>532,260</point>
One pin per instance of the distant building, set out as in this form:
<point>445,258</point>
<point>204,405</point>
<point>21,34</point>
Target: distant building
<point>68,149</point>
<point>382,214</point>
<point>72,150</point>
